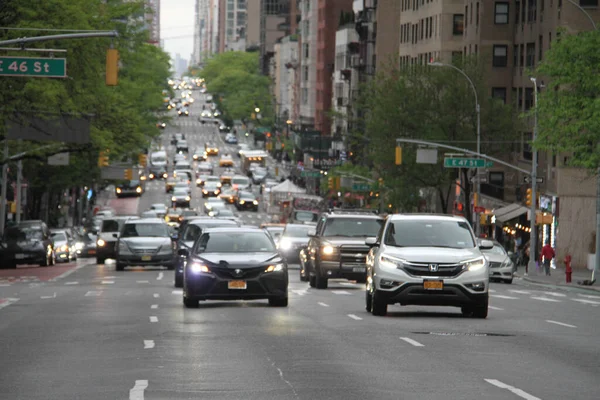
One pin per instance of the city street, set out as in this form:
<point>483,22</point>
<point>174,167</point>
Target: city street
<point>101,334</point>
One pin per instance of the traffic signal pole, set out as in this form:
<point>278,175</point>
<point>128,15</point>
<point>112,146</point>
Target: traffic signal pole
<point>534,160</point>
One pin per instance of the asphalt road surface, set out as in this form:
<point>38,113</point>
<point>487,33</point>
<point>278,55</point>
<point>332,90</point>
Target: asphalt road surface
<point>93,333</point>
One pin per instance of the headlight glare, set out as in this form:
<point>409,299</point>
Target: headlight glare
<point>285,244</point>
<point>475,264</point>
<point>198,268</point>
<point>390,262</point>
<point>100,242</point>
<point>274,268</point>
<point>327,250</point>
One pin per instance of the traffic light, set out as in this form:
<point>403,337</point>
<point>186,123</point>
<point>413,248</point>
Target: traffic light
<point>128,174</point>
<point>483,219</point>
<point>112,67</point>
<point>398,155</point>
<point>330,184</point>
<point>337,182</point>
<point>528,197</point>
<point>142,160</point>
<point>103,159</point>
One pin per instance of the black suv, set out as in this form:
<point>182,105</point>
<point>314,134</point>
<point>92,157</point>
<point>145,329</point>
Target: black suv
<point>337,247</point>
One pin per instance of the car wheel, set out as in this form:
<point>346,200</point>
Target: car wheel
<point>312,282</point>
<point>190,303</point>
<point>368,301</point>
<point>320,282</point>
<point>178,280</point>
<point>378,305</point>
<point>278,301</point>
<point>476,311</point>
<point>303,278</point>
<point>120,266</point>
<point>100,260</point>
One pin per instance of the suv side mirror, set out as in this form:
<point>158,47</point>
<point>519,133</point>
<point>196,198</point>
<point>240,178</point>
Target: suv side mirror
<point>183,252</point>
<point>116,235</point>
<point>371,241</point>
<point>311,233</point>
<point>486,245</point>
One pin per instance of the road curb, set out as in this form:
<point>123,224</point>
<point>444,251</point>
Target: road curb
<point>592,289</point>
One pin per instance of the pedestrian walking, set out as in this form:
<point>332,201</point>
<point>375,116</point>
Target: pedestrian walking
<point>547,256</point>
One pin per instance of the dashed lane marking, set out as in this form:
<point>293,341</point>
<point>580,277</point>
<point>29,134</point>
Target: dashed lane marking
<point>555,294</point>
<point>137,392</point>
<point>160,276</point>
<point>323,304</point>
<point>500,296</point>
<point>153,319</point>
<point>154,306</point>
<point>148,344</point>
<point>411,341</point>
<point>180,291</point>
<point>545,299</point>
<point>589,296</point>
<point>107,282</point>
<point>49,297</point>
<point>340,292</point>
<point>560,323</point>
<point>491,291</point>
<point>92,293</point>
<point>495,308</point>
<point>7,302</point>
<point>355,317</point>
<point>71,271</point>
<point>156,295</point>
<point>142,281</point>
<point>584,301</point>
<point>519,291</point>
<point>521,393</point>
<point>71,283</point>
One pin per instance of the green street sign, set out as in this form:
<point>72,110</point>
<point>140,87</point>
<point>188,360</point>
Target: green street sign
<point>33,67</point>
<point>459,162</point>
<point>310,174</point>
<point>361,187</point>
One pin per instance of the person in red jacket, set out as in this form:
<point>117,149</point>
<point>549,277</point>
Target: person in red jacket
<point>547,256</point>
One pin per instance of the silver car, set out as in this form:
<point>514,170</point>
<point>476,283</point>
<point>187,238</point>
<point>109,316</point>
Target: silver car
<point>145,242</point>
<point>501,266</point>
<point>427,259</point>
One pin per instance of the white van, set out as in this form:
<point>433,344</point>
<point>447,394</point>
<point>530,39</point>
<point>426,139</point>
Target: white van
<point>158,159</point>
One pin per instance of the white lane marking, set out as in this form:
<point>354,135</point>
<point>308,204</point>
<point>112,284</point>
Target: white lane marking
<point>148,344</point>
<point>180,291</point>
<point>340,292</point>
<point>153,319</point>
<point>154,306</point>
<point>545,299</point>
<point>560,323</point>
<point>586,301</point>
<point>142,281</point>
<point>491,291</point>
<point>67,273</point>
<point>8,302</point>
<point>495,308</point>
<point>5,284</point>
<point>71,283</point>
<point>589,296</point>
<point>354,317</point>
<point>521,393</point>
<point>93,293</point>
<point>156,295</point>
<point>160,276</point>
<point>137,392</point>
<point>519,291</point>
<point>556,294</point>
<point>500,296</point>
<point>107,277</point>
<point>411,341</point>
<point>107,282</point>
<point>323,304</point>
<point>300,292</point>
<point>49,297</point>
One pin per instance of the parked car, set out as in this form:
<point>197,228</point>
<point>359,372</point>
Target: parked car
<point>28,242</point>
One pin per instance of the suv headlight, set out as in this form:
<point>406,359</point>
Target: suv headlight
<point>475,264</point>
<point>285,244</point>
<point>327,250</point>
<point>391,262</point>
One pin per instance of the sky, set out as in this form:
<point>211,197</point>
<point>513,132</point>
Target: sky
<point>177,26</point>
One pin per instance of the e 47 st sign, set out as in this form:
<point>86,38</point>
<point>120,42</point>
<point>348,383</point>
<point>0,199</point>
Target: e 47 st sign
<point>33,67</point>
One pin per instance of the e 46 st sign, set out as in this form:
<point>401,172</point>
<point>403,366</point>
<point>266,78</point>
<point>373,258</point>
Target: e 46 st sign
<point>33,67</point>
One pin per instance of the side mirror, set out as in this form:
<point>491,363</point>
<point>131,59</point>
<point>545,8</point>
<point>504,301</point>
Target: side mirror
<point>115,235</point>
<point>486,245</point>
<point>510,254</point>
<point>371,241</point>
<point>183,252</point>
<point>311,233</point>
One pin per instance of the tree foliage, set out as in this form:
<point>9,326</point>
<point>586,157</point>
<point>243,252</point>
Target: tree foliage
<point>569,109</point>
<point>433,104</point>
<point>235,78</point>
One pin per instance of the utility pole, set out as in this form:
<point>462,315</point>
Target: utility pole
<point>4,185</point>
<point>18,199</point>
<point>533,206</point>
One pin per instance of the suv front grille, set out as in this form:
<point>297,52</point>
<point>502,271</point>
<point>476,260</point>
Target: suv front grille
<point>424,269</point>
<point>145,251</point>
<point>353,254</point>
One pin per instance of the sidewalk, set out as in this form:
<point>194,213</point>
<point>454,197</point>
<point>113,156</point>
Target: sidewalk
<point>558,278</point>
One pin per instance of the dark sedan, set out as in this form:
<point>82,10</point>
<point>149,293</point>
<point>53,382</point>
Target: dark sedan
<point>129,188</point>
<point>293,239</point>
<point>28,242</point>
<point>234,264</point>
<point>246,201</point>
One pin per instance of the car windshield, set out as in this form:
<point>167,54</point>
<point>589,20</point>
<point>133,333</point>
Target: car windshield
<point>180,192</point>
<point>159,207</point>
<point>297,231</point>
<point>497,249</point>
<point>187,213</point>
<point>226,213</point>
<point>213,178</point>
<point>59,236</point>
<point>240,181</point>
<point>24,233</point>
<point>246,196</point>
<point>306,216</point>
<point>211,185</point>
<point>234,242</point>
<point>193,231</point>
<point>352,227</point>
<point>145,230</point>
<point>111,225</point>
<point>429,233</point>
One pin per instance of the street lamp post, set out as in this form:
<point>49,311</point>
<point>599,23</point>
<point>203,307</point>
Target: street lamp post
<point>478,111</point>
<point>533,206</point>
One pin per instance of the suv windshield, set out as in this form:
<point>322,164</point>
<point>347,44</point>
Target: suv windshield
<point>429,233</point>
<point>145,230</point>
<point>297,231</point>
<point>59,236</point>
<point>352,227</point>
<point>24,233</point>
<point>306,216</point>
<point>234,242</point>
<point>111,225</point>
<point>240,181</point>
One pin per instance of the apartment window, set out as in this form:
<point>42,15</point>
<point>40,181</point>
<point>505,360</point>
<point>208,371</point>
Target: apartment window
<point>305,73</point>
<point>530,55</point>
<point>519,98</point>
<point>499,93</point>
<point>500,58</point>
<point>306,50</point>
<point>516,55</point>
<point>458,24</point>
<point>501,13</point>
<point>528,98</point>
<point>540,48</point>
<point>521,55</point>
<point>304,96</point>
<point>241,4</point>
<point>477,16</point>
<point>532,11</point>
<point>588,3</point>
<point>430,26</point>
<point>513,96</point>
<point>517,13</point>
<point>527,149</point>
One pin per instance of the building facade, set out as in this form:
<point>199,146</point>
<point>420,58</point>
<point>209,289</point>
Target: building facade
<point>308,64</point>
<point>232,25</point>
<point>286,55</point>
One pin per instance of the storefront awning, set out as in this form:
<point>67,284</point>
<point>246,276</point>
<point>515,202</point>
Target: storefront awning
<point>509,212</point>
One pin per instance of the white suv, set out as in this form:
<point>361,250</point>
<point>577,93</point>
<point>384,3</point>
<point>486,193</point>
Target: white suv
<point>427,259</point>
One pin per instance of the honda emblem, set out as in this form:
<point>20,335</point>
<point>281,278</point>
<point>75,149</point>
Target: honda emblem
<point>433,267</point>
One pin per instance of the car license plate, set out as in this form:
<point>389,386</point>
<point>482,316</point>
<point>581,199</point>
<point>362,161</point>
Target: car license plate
<point>146,258</point>
<point>358,269</point>
<point>236,285</point>
<point>433,285</point>
<point>20,256</point>
<point>92,252</point>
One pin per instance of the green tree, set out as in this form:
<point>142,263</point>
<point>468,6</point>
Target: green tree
<point>568,109</point>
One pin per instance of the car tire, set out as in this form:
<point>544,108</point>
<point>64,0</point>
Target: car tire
<point>100,260</point>
<point>368,301</point>
<point>278,301</point>
<point>320,282</point>
<point>362,280</point>
<point>312,281</point>
<point>378,305</point>
<point>190,303</point>
<point>476,311</point>
<point>302,277</point>
<point>178,280</point>
<point>119,266</point>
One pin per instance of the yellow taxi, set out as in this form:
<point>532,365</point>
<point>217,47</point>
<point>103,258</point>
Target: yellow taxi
<point>226,161</point>
<point>174,216</point>
<point>226,176</point>
<point>211,149</point>
<point>229,195</point>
